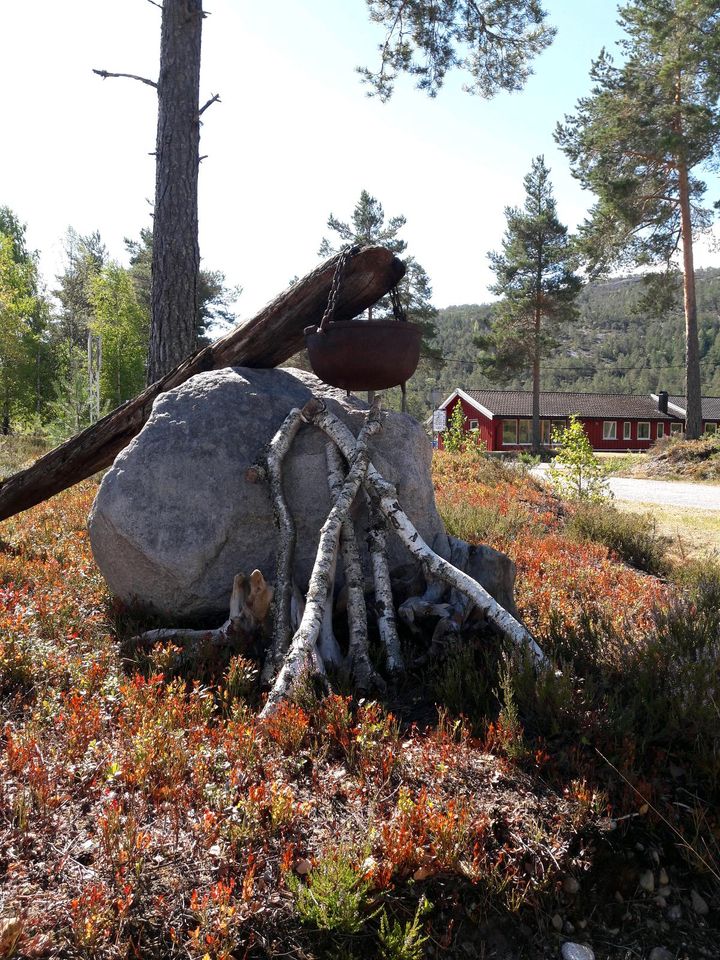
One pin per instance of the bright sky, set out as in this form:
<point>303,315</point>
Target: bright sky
<point>294,139</point>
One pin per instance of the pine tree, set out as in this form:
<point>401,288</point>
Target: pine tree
<point>369,228</point>
<point>536,280</point>
<point>494,41</point>
<point>638,141</point>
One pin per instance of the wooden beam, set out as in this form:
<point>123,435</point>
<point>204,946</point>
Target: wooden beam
<point>268,339</point>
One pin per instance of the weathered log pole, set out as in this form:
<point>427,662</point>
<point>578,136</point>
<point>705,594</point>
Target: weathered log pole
<point>269,338</point>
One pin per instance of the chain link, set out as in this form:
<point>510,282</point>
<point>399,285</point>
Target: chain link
<point>329,314</point>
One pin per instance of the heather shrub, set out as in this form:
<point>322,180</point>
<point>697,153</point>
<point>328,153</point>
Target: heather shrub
<point>634,538</point>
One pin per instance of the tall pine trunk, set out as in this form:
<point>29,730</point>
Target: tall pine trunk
<point>176,254</point>
<point>693,396</point>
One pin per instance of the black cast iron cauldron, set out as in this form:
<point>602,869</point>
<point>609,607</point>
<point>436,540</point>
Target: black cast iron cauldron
<point>364,354</point>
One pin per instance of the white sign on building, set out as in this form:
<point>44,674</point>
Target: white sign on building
<point>439,421</point>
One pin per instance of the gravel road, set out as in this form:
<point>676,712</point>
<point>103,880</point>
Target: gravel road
<point>669,493</point>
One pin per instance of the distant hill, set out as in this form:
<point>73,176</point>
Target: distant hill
<point>611,349</point>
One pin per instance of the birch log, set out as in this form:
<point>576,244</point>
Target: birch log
<point>384,604</point>
<point>304,642</point>
<point>277,449</point>
<point>434,566</point>
<point>269,338</point>
<point>358,661</point>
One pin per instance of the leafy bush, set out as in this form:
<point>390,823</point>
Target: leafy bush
<point>576,473</point>
<point>632,537</point>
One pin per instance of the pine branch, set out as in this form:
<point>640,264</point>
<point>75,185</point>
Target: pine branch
<point>130,76</point>
<point>215,98</point>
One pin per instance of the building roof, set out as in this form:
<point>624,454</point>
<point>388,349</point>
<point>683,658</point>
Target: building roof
<point>518,403</point>
<point>710,407</point>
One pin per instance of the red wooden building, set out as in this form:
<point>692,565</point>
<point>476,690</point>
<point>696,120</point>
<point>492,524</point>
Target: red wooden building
<point>503,418</point>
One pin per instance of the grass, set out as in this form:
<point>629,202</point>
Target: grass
<point>690,533</point>
<point>673,458</point>
<point>144,815</point>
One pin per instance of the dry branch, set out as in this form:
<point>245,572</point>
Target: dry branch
<point>268,339</point>
<point>130,76</point>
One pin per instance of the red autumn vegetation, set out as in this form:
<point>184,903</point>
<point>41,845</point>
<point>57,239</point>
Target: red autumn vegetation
<point>149,815</point>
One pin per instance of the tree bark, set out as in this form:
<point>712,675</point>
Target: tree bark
<point>693,395</point>
<point>176,254</point>
<point>269,338</point>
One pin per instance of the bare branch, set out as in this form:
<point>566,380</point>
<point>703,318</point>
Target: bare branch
<point>215,98</point>
<point>131,76</point>
<point>158,5</point>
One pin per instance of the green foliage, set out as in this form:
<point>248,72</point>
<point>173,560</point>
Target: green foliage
<point>494,41</point>
<point>403,941</point>
<point>122,326</point>
<point>335,897</point>
<point>454,434</point>
<point>368,227</point>
<point>535,279</point>
<point>576,473</point>
<point>633,537</point>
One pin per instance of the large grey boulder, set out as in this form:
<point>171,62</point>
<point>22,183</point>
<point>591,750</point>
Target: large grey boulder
<point>175,519</point>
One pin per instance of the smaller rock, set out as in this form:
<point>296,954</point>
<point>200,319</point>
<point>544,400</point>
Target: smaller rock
<point>302,867</point>
<point>647,881</point>
<point>557,922</point>
<point>663,878</point>
<point>698,904</point>
<point>571,886</point>
<point>661,902</point>
<point>664,892</point>
<point>576,951</point>
<point>661,953</point>
<point>674,912</point>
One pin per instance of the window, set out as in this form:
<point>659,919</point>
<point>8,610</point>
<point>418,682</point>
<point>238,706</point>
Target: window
<point>609,429</point>
<point>545,432</point>
<point>524,431</point>
<point>509,432</point>
<point>710,428</point>
<point>474,424</point>
<point>627,430</point>
<point>643,431</point>
<point>661,430</point>
<point>676,428</point>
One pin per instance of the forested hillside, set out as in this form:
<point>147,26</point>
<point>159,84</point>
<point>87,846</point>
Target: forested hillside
<point>614,347</point>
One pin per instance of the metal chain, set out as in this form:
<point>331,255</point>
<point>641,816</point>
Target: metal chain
<point>398,311</point>
<point>345,255</point>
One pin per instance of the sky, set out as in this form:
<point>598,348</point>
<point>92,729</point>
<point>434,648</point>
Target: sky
<point>294,138</point>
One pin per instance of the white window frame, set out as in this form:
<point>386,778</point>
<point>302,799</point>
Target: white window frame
<point>610,434</point>
<point>711,428</point>
<point>660,429</point>
<point>509,443</point>
<point>627,430</point>
<point>474,424</point>
<point>646,424</point>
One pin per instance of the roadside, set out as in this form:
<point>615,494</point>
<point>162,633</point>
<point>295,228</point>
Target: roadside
<point>692,533</point>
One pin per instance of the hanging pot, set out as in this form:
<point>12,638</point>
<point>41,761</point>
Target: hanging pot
<point>362,354</point>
